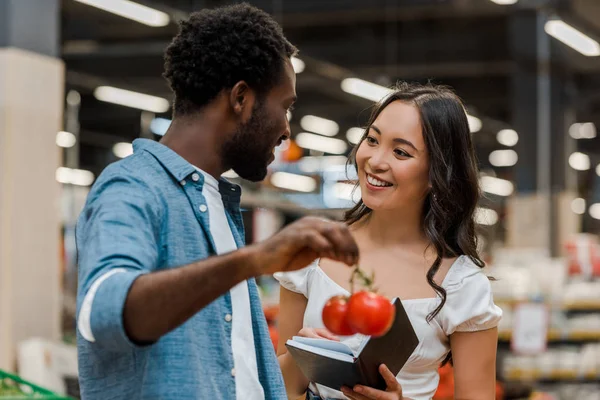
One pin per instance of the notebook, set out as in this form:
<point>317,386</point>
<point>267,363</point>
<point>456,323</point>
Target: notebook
<point>334,364</point>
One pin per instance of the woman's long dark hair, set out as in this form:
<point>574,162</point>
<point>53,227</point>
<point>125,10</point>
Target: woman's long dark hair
<point>448,212</point>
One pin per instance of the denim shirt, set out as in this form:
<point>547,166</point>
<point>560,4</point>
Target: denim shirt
<point>147,213</point>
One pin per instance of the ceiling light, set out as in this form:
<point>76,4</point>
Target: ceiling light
<point>298,65</point>
<point>497,186</point>
<point>485,216</point>
<point>123,149</point>
<point>319,125</point>
<point>364,89</point>
<point>595,211</point>
<point>354,135</point>
<point>319,143</point>
<point>575,131</point>
<point>572,37</point>
<point>77,177</point>
<point>579,161</point>
<point>73,98</point>
<point>131,99</point>
<point>586,130</point>
<point>507,137</point>
<point>504,2</point>
<point>65,139</point>
<point>475,123</point>
<point>578,206</point>
<point>159,126</point>
<point>299,183</point>
<point>503,158</point>
<point>312,164</point>
<point>347,191</point>
<point>129,9</point>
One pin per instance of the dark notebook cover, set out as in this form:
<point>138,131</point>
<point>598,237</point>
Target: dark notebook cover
<point>393,349</point>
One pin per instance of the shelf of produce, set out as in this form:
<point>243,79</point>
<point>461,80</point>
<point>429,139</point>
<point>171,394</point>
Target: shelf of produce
<point>566,305</point>
<point>558,336</point>
<point>517,374</point>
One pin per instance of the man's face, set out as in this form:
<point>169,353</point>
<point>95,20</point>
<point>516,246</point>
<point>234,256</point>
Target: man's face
<point>252,147</point>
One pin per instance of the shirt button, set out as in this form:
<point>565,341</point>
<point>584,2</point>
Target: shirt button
<point>203,208</point>
<point>183,183</point>
<point>195,177</point>
<point>228,318</point>
<point>233,372</point>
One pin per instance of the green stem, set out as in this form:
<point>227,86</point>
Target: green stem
<point>366,281</point>
<point>354,271</point>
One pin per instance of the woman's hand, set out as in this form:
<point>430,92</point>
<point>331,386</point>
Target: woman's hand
<point>393,391</point>
<point>318,333</point>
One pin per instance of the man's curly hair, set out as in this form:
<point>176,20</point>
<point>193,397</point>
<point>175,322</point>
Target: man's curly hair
<point>216,48</point>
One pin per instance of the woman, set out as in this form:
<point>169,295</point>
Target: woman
<point>414,227</point>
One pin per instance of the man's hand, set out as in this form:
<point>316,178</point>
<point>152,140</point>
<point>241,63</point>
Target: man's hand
<point>300,243</point>
<point>161,301</point>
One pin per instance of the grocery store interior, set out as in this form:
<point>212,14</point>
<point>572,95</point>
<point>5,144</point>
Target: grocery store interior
<point>79,82</point>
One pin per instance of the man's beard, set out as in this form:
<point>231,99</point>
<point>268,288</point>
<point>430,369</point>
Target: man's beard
<point>249,150</point>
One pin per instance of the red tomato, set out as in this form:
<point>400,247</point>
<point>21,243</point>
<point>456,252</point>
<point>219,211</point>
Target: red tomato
<point>334,316</point>
<point>271,313</point>
<point>274,335</point>
<point>370,313</point>
<point>499,391</point>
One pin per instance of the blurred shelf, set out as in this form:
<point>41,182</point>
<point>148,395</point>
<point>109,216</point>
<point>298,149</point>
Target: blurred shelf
<point>567,305</point>
<point>277,201</point>
<point>558,336</point>
<point>587,305</point>
<point>518,374</point>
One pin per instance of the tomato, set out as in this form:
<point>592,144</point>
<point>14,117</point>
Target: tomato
<point>274,335</point>
<point>334,316</point>
<point>370,314</point>
<point>271,313</point>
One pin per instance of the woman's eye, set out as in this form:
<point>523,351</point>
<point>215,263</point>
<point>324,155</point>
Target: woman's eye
<point>401,153</point>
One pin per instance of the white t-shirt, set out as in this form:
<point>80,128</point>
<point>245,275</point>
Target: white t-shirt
<point>469,307</point>
<point>247,383</point>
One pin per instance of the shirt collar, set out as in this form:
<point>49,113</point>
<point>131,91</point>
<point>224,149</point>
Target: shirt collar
<point>179,168</point>
<point>208,179</point>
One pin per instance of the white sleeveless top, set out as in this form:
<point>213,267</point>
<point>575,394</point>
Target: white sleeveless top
<point>469,307</point>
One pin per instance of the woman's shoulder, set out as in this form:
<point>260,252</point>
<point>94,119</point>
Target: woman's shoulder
<point>470,303</point>
<point>297,281</point>
<point>465,272</point>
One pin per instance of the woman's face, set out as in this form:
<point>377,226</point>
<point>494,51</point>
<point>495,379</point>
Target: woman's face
<point>393,163</point>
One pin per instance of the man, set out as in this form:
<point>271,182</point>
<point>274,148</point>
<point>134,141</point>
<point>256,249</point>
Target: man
<point>167,304</point>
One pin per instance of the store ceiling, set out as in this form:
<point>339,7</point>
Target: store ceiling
<point>461,43</point>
